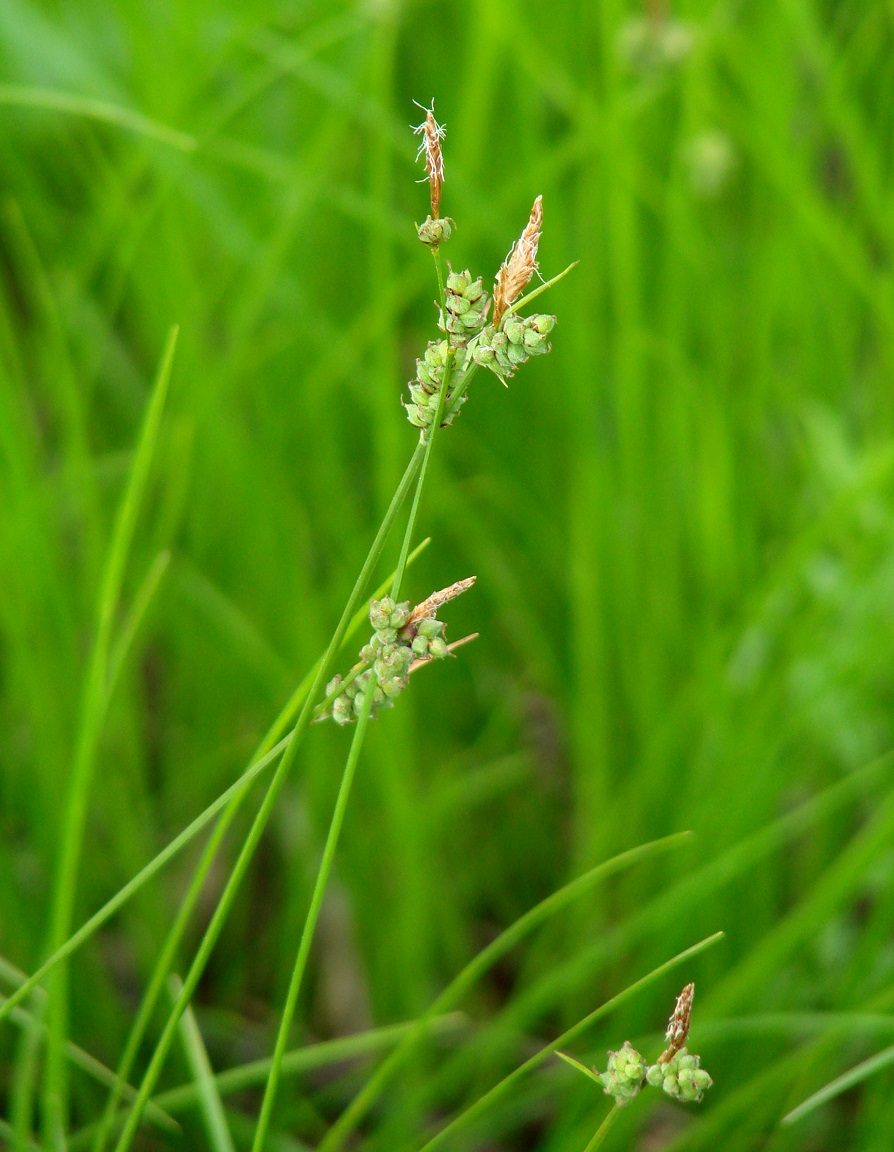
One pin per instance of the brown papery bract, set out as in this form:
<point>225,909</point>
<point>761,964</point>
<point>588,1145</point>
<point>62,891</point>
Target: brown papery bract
<point>519,266</point>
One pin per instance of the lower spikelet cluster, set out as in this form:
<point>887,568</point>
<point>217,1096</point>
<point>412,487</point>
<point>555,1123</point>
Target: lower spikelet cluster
<point>625,1074</point>
<point>681,1077</point>
<point>398,642</point>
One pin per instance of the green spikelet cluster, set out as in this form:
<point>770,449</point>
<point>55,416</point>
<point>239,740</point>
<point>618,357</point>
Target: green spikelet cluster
<point>463,318</point>
<point>518,340</point>
<point>394,646</point>
<point>625,1074</point>
<point>681,1077</point>
<point>423,404</point>
<point>466,304</point>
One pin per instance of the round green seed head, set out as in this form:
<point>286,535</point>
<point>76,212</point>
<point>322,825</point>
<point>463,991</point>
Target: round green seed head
<point>435,232</point>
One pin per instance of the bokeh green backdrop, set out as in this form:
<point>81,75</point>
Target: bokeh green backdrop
<point>681,522</point>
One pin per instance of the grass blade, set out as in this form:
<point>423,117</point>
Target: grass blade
<point>93,709</point>
<point>842,1083</point>
<point>72,104</point>
<point>219,1137</point>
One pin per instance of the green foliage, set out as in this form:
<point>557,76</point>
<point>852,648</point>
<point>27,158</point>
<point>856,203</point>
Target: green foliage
<point>681,522</point>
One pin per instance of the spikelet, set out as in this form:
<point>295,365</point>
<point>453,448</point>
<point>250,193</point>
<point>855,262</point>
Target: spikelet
<point>432,134</point>
<point>519,266</point>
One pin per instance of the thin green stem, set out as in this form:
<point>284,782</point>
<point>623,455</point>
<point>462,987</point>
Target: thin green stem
<point>213,1111</point>
<point>313,914</point>
<point>602,1131</point>
<point>417,495</point>
<point>260,822</point>
<point>439,272</point>
<point>461,389</point>
<point>335,828</point>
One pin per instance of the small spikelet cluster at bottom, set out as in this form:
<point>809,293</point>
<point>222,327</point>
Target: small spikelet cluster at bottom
<point>681,1077</point>
<point>625,1075</point>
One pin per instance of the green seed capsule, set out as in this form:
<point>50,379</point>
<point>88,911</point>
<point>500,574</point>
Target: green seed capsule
<point>458,282</point>
<point>514,330</point>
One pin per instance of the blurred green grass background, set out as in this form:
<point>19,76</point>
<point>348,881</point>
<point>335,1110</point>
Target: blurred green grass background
<point>681,522</point>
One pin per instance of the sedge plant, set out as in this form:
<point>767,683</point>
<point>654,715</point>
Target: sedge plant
<point>476,329</point>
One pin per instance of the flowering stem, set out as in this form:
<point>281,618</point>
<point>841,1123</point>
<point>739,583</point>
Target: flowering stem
<point>501,1088</point>
<point>313,913</point>
<point>602,1130</point>
<point>439,272</point>
<point>322,880</point>
<point>417,495</point>
<point>460,390</point>
<point>472,973</point>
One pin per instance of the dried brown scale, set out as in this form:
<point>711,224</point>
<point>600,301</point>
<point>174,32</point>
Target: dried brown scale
<point>519,266</point>
<point>429,606</point>
<point>678,1025</point>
